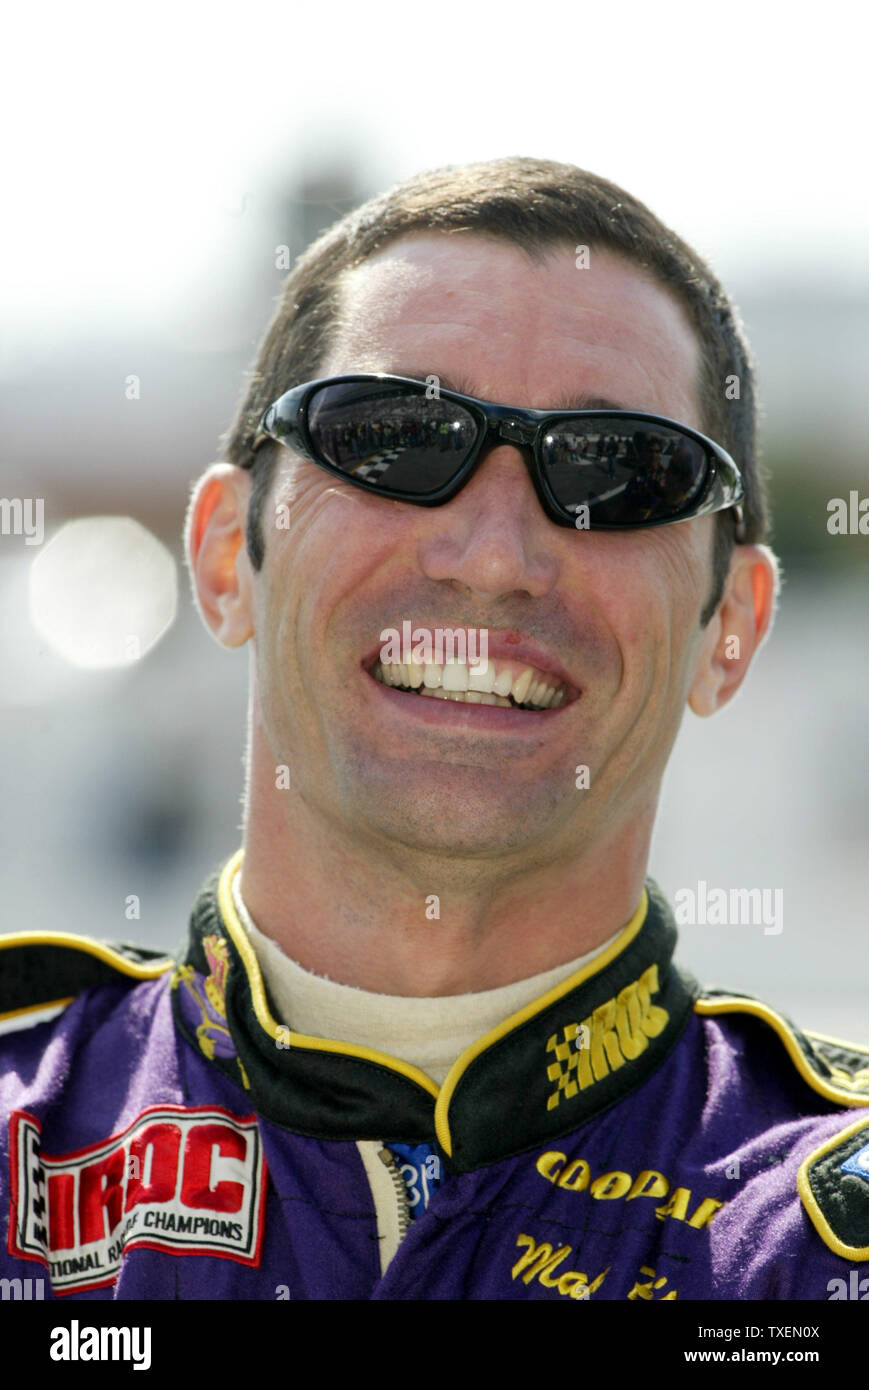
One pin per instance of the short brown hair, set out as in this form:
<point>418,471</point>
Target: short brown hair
<point>533,203</point>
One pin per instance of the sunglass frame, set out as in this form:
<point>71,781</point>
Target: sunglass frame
<point>286,422</point>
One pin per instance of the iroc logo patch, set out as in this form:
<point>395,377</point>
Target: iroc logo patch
<point>186,1180</point>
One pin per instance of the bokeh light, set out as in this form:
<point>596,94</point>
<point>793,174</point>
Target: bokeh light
<point>103,591</point>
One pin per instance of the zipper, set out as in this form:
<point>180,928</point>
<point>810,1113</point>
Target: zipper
<point>401,1194</point>
<point>389,1195</point>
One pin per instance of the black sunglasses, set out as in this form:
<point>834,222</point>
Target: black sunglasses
<point>591,469</point>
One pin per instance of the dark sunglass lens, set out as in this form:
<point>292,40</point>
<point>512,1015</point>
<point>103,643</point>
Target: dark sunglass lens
<point>627,472</point>
<point>390,436</point>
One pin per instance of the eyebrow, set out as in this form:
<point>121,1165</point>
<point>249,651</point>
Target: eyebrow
<point>565,401</point>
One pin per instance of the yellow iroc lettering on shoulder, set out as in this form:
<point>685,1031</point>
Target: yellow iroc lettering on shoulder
<point>629,1022</point>
<point>585,1077</point>
<point>604,1042</point>
<point>616,1032</point>
<point>654,1018</point>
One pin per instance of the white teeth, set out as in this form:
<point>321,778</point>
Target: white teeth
<point>482,677</point>
<point>467,697</point>
<point>521,686</point>
<point>503,682</point>
<point>455,676</point>
<point>433,676</point>
<point>475,685</point>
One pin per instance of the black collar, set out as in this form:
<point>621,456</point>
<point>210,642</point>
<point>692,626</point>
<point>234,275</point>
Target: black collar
<point>542,1073</point>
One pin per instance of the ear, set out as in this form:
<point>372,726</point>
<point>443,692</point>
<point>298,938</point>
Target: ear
<point>217,556</point>
<point>736,631</point>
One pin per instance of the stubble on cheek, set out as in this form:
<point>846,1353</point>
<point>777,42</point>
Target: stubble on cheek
<point>658,637</point>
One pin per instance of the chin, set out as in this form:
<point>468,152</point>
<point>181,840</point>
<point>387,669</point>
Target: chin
<point>455,821</point>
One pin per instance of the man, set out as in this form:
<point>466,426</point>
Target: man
<point>427,1040</point>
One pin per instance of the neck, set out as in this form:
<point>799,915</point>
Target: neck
<point>397,920</point>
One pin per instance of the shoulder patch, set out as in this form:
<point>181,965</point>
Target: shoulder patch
<point>837,1070</point>
<point>156,1185</point>
<point>833,1184</point>
<point>42,970</point>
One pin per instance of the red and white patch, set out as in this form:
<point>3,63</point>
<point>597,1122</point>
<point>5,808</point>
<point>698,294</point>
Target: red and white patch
<point>187,1180</point>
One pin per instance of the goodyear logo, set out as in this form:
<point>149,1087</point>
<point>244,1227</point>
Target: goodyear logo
<point>576,1176</point>
<point>617,1032</point>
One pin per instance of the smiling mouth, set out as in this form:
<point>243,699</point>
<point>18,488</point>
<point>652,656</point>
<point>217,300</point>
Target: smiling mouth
<point>490,682</point>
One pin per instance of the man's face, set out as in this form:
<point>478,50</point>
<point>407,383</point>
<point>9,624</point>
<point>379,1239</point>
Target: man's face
<point>614,617</point>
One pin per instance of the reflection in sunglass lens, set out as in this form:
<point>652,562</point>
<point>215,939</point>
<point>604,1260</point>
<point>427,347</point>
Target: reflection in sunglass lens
<point>390,437</point>
<point>625,471</point>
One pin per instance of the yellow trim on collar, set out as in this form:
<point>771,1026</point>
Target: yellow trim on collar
<point>258,994</point>
<point>781,1026</point>
<point>807,1196</point>
<point>443,1094</point>
<point>461,1064</point>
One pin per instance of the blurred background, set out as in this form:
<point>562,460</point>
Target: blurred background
<point>155,162</point>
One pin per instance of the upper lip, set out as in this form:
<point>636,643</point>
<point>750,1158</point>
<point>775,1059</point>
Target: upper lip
<point>505,644</point>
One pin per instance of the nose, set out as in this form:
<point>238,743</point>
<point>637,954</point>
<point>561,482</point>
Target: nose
<point>494,538</point>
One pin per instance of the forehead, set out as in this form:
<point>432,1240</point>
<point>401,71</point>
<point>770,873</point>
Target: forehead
<point>489,320</point>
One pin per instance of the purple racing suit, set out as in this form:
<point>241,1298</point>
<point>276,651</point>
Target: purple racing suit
<point>625,1136</point>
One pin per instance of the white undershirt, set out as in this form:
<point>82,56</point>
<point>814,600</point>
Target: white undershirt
<point>427,1033</point>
